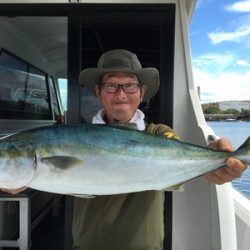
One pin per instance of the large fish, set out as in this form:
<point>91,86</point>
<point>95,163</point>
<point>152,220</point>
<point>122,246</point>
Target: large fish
<point>103,160</point>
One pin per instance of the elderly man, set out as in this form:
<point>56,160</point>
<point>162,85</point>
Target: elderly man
<point>129,221</point>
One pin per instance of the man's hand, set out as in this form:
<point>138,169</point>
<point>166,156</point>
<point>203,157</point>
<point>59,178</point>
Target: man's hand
<point>233,169</point>
<point>14,191</point>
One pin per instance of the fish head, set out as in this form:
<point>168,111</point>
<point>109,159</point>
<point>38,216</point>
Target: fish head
<point>17,164</point>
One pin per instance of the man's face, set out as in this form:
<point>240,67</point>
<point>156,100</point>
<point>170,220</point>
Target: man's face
<point>120,106</point>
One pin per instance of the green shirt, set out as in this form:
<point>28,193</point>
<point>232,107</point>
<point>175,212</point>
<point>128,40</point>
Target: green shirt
<point>121,222</point>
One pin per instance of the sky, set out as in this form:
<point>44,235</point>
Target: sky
<point>220,48</point>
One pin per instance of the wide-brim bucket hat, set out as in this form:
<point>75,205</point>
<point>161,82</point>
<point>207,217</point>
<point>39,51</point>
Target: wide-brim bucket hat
<point>121,61</point>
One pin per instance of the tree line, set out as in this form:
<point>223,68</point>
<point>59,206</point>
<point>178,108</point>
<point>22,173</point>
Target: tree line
<point>244,113</point>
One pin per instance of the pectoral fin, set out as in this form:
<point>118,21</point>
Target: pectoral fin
<point>61,162</point>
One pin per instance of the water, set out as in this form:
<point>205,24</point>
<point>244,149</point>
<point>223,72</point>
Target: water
<point>237,132</point>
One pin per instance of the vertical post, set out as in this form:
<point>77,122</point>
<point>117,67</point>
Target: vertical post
<point>73,113</point>
<point>166,104</point>
<point>74,67</point>
<point>24,227</point>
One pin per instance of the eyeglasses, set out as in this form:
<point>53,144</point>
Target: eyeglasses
<point>128,88</point>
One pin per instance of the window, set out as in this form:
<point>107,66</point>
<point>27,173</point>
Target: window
<point>63,89</point>
<point>23,90</point>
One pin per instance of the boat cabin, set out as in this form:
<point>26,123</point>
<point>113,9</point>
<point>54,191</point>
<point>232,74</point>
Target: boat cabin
<point>45,44</point>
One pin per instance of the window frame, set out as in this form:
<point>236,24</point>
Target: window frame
<point>23,114</point>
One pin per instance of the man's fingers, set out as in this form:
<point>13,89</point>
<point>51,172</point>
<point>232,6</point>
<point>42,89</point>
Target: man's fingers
<point>221,144</point>
<point>213,178</point>
<point>236,165</point>
<point>233,170</point>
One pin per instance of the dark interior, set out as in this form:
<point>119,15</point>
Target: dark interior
<point>149,34</point>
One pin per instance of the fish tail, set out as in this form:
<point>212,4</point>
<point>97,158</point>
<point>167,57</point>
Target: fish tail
<point>245,145</point>
<point>244,151</point>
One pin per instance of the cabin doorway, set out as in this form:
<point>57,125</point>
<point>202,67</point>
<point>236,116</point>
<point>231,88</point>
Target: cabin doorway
<point>148,34</point>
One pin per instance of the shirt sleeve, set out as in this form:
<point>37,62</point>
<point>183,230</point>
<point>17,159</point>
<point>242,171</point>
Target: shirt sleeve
<point>161,129</point>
